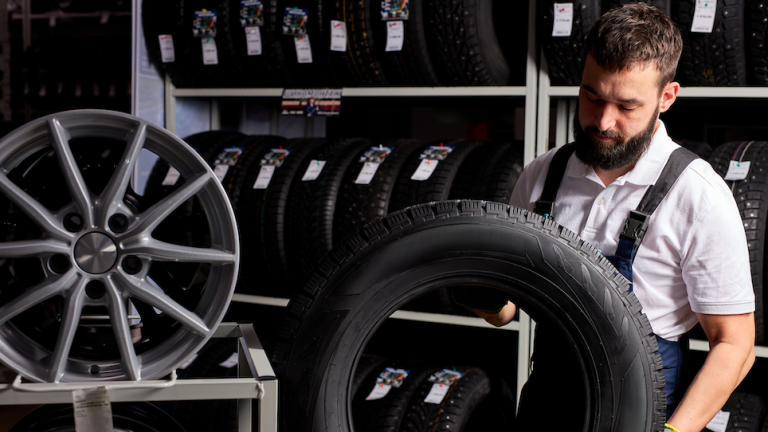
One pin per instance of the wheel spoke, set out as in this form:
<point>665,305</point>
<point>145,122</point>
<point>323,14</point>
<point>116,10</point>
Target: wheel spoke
<point>73,306</point>
<point>113,193</point>
<point>153,216</point>
<point>37,294</point>
<point>32,248</point>
<point>162,251</point>
<point>75,183</point>
<point>154,297</point>
<point>119,317</point>
<point>34,209</point>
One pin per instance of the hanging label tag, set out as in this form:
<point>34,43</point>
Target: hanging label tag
<point>220,171</point>
<point>443,380</point>
<point>425,170</point>
<point>394,10</point>
<point>338,36</point>
<point>563,20</point>
<point>204,24</point>
<point>295,21</point>
<point>390,377</point>
<point>367,173</point>
<point>265,176</point>
<point>376,154</point>
<point>720,422</point>
<point>275,157</point>
<point>210,55</point>
<point>253,40</point>
<point>704,16</point>
<point>303,49</point>
<point>251,13</point>
<point>313,170</point>
<point>231,361</point>
<point>229,156</point>
<point>167,53</point>
<point>171,178</point>
<point>395,36</point>
<point>437,153</point>
<point>93,412</point>
<point>737,171</point>
<point>188,362</point>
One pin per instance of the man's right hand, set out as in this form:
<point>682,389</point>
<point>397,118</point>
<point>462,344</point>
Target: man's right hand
<point>501,318</point>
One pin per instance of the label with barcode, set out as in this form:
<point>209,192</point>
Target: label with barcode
<point>220,171</point>
<point>303,49</point>
<point>172,177</point>
<point>210,54</point>
<point>737,171</point>
<point>253,40</point>
<point>443,380</point>
<point>395,36</point>
<point>167,53</point>
<point>367,173</point>
<point>338,36</point>
<point>93,411</point>
<point>563,20</point>
<point>313,170</point>
<point>265,176</point>
<point>425,170</point>
<point>704,16</point>
<point>720,422</point>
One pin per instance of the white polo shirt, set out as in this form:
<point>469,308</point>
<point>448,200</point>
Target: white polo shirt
<point>694,256</point>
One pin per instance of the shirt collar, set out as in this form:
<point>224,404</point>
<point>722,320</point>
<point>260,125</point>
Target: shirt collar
<point>646,170</point>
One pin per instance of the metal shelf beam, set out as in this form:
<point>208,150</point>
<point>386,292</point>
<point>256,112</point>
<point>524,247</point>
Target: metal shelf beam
<point>362,92</point>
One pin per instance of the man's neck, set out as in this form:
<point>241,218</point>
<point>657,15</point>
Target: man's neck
<point>610,176</point>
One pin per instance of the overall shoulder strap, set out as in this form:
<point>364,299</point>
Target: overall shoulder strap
<point>637,222</point>
<point>545,206</point>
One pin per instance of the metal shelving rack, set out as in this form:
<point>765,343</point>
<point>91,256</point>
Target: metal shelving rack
<point>256,381</point>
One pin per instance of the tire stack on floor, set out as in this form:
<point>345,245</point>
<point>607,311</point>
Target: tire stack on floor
<point>456,42</point>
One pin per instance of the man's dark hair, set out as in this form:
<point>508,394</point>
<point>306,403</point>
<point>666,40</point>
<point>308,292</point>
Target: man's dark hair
<point>634,34</point>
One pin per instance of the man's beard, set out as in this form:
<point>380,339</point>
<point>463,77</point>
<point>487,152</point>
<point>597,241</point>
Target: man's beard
<point>611,155</point>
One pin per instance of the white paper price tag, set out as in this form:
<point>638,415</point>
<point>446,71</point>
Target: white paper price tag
<point>171,178</point>
<point>563,20</point>
<point>425,170</point>
<point>395,36</point>
<point>230,361</point>
<point>737,171</point>
<point>220,171</point>
<point>367,173</point>
<point>188,362</point>
<point>720,422</point>
<point>437,393</point>
<point>704,16</point>
<point>253,40</point>
<point>210,54</point>
<point>265,176</point>
<point>338,36</point>
<point>93,412</point>
<point>303,49</point>
<point>379,391</point>
<point>167,53</point>
<point>313,170</point>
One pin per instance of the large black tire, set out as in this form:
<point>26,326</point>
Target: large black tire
<point>475,172</point>
<point>463,44</point>
<point>747,412</point>
<point>717,58</point>
<point>228,70</point>
<point>506,172</point>
<point>550,271</point>
<point>162,18</point>
<point>358,204</point>
<point>663,5</point>
<point>453,413</point>
<point>751,196</point>
<point>702,149</point>
<point>565,55</point>
<point>132,416</point>
<point>756,38</point>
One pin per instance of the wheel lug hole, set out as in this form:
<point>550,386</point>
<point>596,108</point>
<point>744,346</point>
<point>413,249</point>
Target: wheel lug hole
<point>131,264</point>
<point>95,369</point>
<point>73,222</point>
<point>118,223</point>
<point>95,290</point>
<point>59,263</point>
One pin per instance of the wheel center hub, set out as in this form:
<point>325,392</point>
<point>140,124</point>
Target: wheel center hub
<point>95,253</point>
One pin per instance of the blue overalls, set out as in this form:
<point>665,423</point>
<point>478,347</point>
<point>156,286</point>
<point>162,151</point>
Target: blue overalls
<point>548,352</point>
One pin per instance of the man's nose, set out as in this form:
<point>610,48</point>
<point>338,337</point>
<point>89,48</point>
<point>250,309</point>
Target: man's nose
<point>605,118</point>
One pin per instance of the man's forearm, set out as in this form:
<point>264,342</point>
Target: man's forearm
<point>725,367</point>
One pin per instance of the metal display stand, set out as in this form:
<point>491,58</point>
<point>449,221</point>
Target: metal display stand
<point>256,381</point>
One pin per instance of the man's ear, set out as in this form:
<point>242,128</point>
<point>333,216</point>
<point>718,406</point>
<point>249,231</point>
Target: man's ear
<point>669,95</point>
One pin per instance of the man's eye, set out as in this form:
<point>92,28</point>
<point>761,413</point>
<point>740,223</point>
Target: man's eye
<point>623,108</point>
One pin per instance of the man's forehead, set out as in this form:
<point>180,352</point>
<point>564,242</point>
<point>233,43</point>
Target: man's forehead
<point>621,83</point>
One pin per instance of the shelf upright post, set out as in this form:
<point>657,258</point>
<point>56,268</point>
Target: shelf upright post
<point>529,149</point>
<point>170,106</point>
<point>561,123</point>
<point>215,115</point>
<point>26,24</point>
<point>542,134</point>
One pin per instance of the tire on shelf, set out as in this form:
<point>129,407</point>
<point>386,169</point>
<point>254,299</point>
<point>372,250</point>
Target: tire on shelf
<point>132,416</point>
<point>565,55</point>
<point>463,44</point>
<point>358,204</point>
<point>454,410</point>
<point>475,172</point>
<point>663,5</point>
<point>161,18</point>
<point>717,58</point>
<point>360,59</point>
<point>550,271</point>
<point>366,366</point>
<point>756,35</point>
<point>506,172</point>
<point>751,195</point>
<point>747,412</point>
<point>701,148</point>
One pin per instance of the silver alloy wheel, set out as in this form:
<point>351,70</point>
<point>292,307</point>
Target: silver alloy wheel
<point>98,256</point>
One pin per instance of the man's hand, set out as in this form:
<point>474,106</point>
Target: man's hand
<point>498,319</point>
<point>731,356</point>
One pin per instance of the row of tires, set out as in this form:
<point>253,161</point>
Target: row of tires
<point>734,53</point>
<point>444,42</point>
